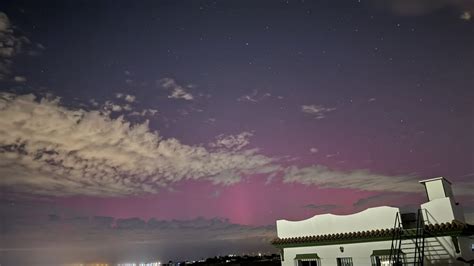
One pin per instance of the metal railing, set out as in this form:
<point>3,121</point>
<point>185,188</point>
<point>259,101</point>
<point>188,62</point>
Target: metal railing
<point>419,239</point>
<point>395,248</point>
<point>399,234</point>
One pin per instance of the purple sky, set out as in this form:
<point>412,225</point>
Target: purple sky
<point>150,125</point>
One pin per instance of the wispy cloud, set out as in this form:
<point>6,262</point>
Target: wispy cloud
<point>177,91</point>
<point>126,106</point>
<point>375,200</point>
<point>11,44</point>
<point>19,79</point>
<point>110,106</point>
<point>254,97</point>
<point>232,142</point>
<point>130,98</point>
<point>94,102</point>
<point>127,97</point>
<point>358,179</point>
<point>46,148</point>
<point>322,207</point>
<point>361,179</point>
<point>317,111</point>
<point>146,112</point>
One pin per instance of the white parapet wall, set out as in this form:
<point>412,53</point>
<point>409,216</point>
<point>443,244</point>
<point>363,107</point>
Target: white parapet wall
<point>442,210</point>
<point>370,219</point>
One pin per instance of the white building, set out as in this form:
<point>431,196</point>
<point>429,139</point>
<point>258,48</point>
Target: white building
<point>436,235</point>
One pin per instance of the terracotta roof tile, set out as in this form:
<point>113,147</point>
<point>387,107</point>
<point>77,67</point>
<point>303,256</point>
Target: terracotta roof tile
<point>431,229</point>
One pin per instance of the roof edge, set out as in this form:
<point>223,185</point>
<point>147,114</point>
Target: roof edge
<point>434,179</point>
<point>454,228</point>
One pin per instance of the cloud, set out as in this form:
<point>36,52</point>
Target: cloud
<point>145,112</point>
<point>127,97</point>
<point>361,180</point>
<point>317,111</point>
<point>4,22</point>
<point>93,102</point>
<point>422,7</point>
<point>210,120</point>
<point>19,79</point>
<point>180,93</point>
<point>322,208</point>
<point>130,98</point>
<point>50,149</point>
<point>232,142</point>
<point>130,223</point>
<point>177,91</point>
<point>358,179</point>
<point>109,106</point>
<point>314,150</point>
<point>46,148</point>
<point>100,221</point>
<point>375,200</point>
<point>254,97</point>
<point>121,239</point>
<point>11,44</point>
<point>126,108</point>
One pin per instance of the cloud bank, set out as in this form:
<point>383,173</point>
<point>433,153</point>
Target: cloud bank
<point>358,179</point>
<point>31,233</point>
<point>362,179</point>
<point>49,149</point>
<point>46,148</point>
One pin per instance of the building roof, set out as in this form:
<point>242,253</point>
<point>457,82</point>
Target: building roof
<point>454,228</point>
<point>434,179</point>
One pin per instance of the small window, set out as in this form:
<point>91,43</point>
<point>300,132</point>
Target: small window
<point>382,257</point>
<point>344,261</point>
<point>308,260</point>
<point>381,261</point>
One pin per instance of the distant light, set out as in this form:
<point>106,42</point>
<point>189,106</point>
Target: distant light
<point>466,16</point>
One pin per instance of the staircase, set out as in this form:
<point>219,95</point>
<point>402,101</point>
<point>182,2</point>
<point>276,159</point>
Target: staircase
<point>408,240</point>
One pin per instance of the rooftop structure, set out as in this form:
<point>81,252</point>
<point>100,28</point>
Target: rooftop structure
<point>436,235</point>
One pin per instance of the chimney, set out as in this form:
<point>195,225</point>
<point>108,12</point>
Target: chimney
<point>437,188</point>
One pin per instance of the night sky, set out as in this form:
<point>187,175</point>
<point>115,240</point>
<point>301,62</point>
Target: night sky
<point>158,130</point>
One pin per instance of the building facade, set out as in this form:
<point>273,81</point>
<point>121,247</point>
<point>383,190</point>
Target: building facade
<point>436,235</point>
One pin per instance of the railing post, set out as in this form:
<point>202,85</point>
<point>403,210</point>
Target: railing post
<point>394,258</point>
